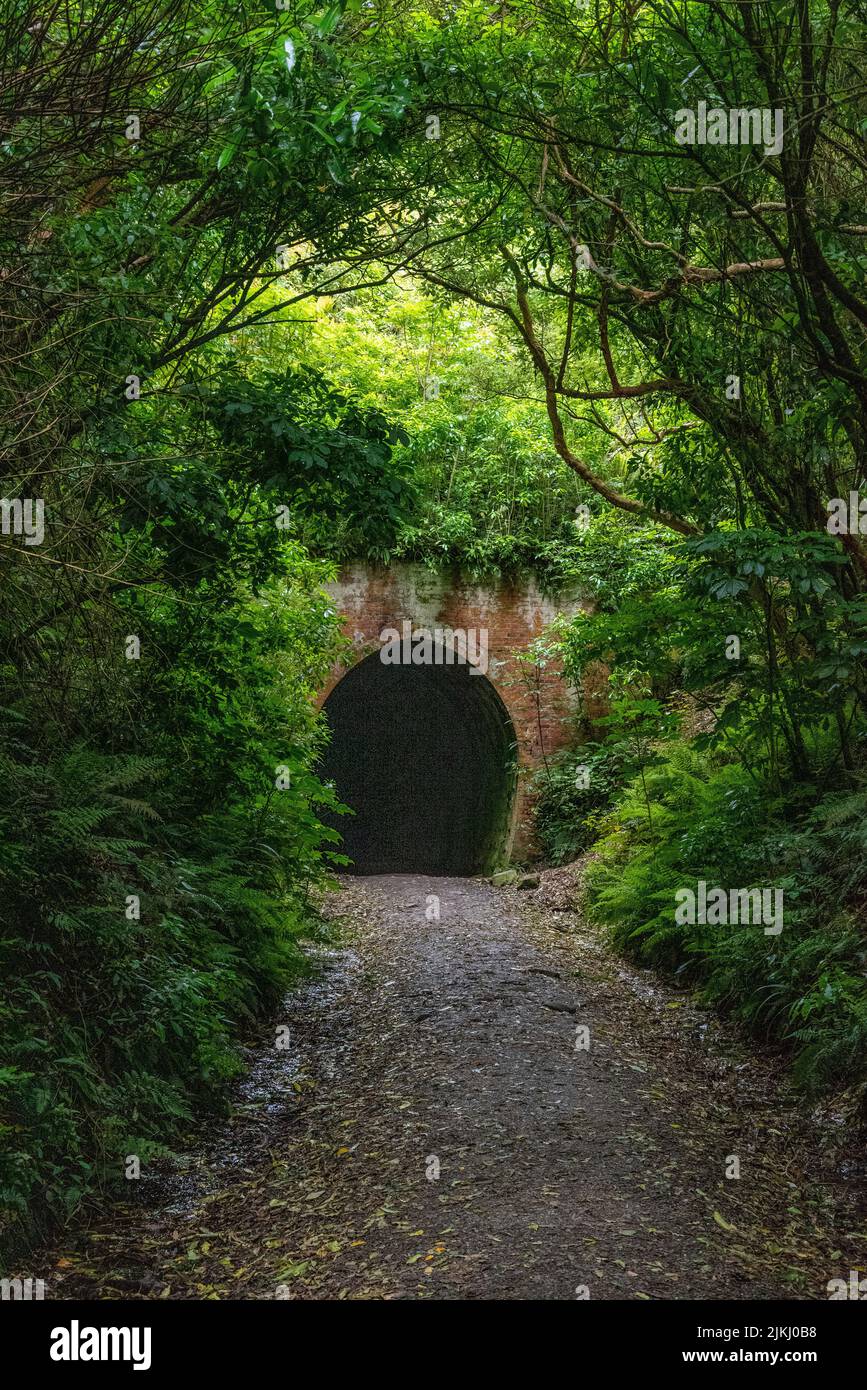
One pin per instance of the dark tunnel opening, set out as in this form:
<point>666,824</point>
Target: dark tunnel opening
<point>425,757</point>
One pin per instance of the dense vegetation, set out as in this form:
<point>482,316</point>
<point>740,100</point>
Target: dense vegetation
<point>160,837</point>
<point>281,285</point>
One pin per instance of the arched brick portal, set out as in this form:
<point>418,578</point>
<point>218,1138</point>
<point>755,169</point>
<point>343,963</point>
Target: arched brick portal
<point>374,601</point>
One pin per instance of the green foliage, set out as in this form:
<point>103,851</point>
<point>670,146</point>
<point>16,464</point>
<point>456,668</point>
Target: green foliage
<point>573,794</point>
<point>141,264</point>
<point>426,370</point>
<point>489,492</point>
<point>302,439</point>
<point>795,671</point>
<point>762,788</point>
<point>112,1027</point>
<point>806,986</point>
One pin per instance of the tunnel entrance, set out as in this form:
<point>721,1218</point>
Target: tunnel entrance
<point>425,757</point>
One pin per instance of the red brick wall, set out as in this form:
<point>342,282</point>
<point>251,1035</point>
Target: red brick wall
<point>372,600</point>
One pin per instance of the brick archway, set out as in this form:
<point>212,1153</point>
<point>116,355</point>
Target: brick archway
<point>375,602</point>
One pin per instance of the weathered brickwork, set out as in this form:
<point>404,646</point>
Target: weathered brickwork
<point>540,705</point>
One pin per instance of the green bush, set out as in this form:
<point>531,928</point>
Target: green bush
<point>119,1018</point>
<point>573,793</point>
<point>698,820</point>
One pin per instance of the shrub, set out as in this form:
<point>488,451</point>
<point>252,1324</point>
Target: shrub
<point>807,986</point>
<point>573,792</point>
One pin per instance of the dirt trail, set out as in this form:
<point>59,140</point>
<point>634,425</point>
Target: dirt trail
<point>432,1132</point>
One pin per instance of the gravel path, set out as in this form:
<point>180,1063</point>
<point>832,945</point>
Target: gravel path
<point>442,1125</point>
